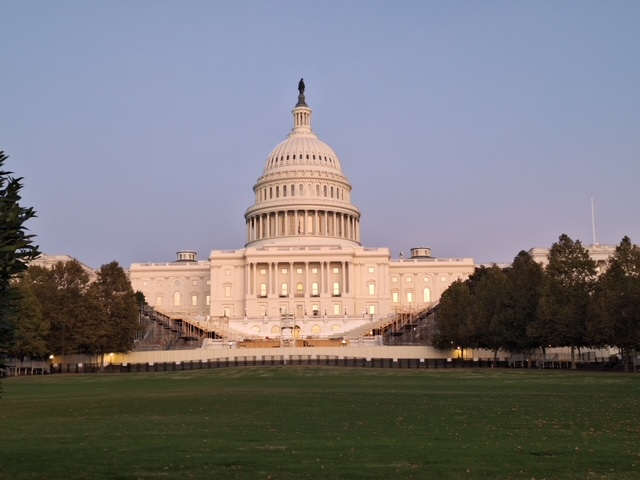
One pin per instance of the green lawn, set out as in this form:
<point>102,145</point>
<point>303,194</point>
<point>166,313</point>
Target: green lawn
<point>322,423</point>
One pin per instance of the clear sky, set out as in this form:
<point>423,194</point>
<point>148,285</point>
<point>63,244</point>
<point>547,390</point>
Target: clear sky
<point>477,128</point>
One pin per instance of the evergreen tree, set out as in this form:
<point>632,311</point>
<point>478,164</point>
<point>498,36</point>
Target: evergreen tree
<point>565,297</point>
<point>615,319</point>
<point>16,248</point>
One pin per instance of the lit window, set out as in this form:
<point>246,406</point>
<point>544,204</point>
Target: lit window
<point>263,271</point>
<point>145,283</point>
<point>314,289</point>
<point>314,270</point>
<point>299,289</point>
<point>263,289</point>
<point>299,270</point>
<point>443,279</point>
<point>176,299</point>
<point>194,300</point>
<point>372,289</point>
<point>336,289</point>
<point>426,279</point>
<point>158,301</point>
<point>394,296</point>
<point>409,297</point>
<point>336,309</point>
<point>409,280</point>
<point>208,282</point>
<point>372,309</point>
<point>394,279</point>
<point>194,282</point>
<point>426,295</point>
<point>285,290</point>
<point>336,270</point>
<point>207,300</point>
<point>371,269</point>
<point>227,272</point>
<point>284,270</point>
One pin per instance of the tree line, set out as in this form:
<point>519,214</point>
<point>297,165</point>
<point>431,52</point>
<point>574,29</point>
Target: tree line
<point>61,311</point>
<point>565,304</point>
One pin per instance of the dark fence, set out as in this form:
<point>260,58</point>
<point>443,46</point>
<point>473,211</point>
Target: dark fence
<point>330,361</point>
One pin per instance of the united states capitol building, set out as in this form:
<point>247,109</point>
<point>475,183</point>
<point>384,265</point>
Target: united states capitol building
<point>303,264</point>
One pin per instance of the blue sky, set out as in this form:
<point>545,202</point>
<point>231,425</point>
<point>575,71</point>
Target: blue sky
<point>477,128</point>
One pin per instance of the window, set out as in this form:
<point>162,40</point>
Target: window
<point>176,299</point>
<point>158,301</point>
<point>336,289</point>
<point>443,279</point>
<point>372,289</point>
<point>315,329</point>
<point>263,310</point>
<point>159,283</point>
<point>336,270</point>
<point>194,300</point>
<point>299,271</point>
<point>409,297</point>
<point>227,290</point>
<point>372,309</point>
<point>207,300</point>
<point>263,289</point>
<point>284,291</point>
<point>394,279</point>
<point>314,270</point>
<point>426,279</point>
<point>145,283</point>
<point>208,282</point>
<point>426,295</point>
<point>284,270</point>
<point>314,289</point>
<point>336,309</point>
<point>194,282</point>
<point>299,290</point>
<point>371,269</point>
<point>394,297</point>
<point>409,279</point>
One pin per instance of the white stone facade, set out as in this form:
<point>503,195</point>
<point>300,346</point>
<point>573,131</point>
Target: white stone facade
<point>302,261</point>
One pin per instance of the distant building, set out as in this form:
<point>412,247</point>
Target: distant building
<point>599,253</point>
<point>302,257</point>
<point>48,261</point>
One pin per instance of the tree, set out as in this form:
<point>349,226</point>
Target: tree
<point>454,316</point>
<point>488,326</point>
<point>566,294</point>
<point>30,326</point>
<point>523,296</point>
<point>615,318</point>
<point>61,291</point>
<point>118,321</point>
<point>16,247</point>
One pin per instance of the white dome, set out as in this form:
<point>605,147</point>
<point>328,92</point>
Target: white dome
<point>302,194</point>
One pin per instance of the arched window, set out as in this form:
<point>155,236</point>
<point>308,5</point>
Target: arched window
<point>277,192</point>
<point>284,191</point>
<point>426,294</point>
<point>325,190</point>
<point>316,329</point>
<point>293,190</point>
<point>299,289</point>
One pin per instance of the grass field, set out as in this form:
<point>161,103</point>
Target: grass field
<point>322,423</point>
